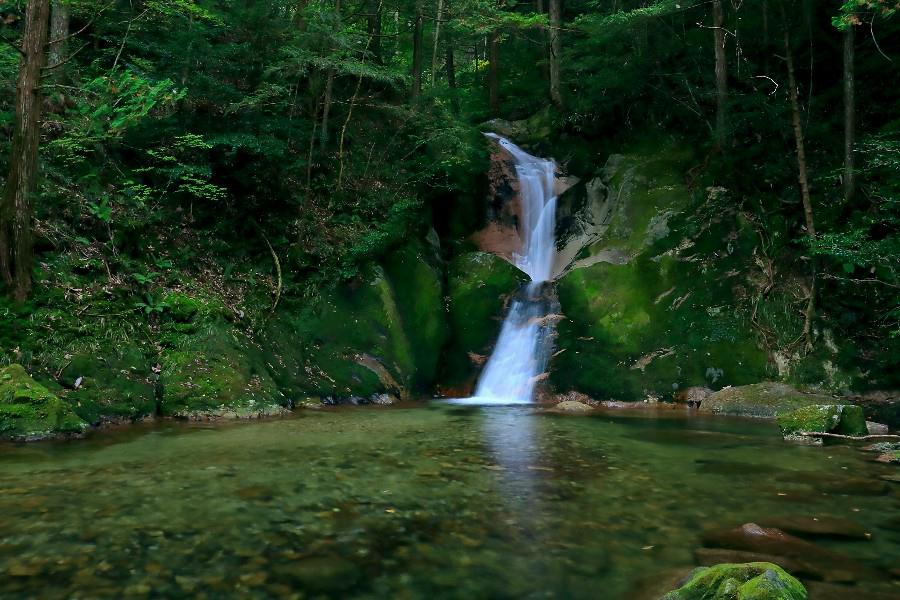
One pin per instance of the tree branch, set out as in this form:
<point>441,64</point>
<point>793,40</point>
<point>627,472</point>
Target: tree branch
<point>860,438</point>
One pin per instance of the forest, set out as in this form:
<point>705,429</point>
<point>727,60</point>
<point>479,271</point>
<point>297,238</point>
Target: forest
<point>227,209</point>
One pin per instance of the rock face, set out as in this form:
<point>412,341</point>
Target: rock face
<point>115,387</point>
<point>479,285</point>
<point>823,418</point>
<point>217,375</point>
<point>380,334</point>
<point>572,407</point>
<point>748,581</point>
<point>29,411</point>
<point>767,399</point>
<point>655,286</point>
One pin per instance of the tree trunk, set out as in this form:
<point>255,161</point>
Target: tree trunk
<point>555,51</point>
<point>494,73</point>
<point>540,9</point>
<point>329,90</point>
<point>721,70</point>
<point>450,67</point>
<point>798,136</point>
<point>16,238</point>
<point>849,113</point>
<point>59,31</point>
<point>437,38</point>
<point>416,91</point>
<point>373,21</point>
<point>809,313</point>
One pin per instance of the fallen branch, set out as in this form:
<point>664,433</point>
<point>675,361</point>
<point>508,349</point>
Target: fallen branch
<point>860,438</point>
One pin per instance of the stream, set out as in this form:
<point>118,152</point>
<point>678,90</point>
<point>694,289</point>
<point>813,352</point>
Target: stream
<point>420,501</point>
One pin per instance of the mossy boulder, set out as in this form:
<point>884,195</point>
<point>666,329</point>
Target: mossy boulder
<point>655,305</point>
<point>843,419</point>
<point>747,581</point>
<point>766,399</point>
<point>219,373</point>
<point>29,411</point>
<point>112,385</point>
<point>380,333</point>
<point>479,285</point>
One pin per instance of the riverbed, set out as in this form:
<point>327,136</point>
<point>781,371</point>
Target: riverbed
<point>427,501</point>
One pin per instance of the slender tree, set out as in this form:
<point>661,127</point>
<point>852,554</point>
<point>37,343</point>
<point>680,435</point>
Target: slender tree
<point>329,91</point>
<point>555,51</point>
<point>802,177</point>
<point>849,112</point>
<point>417,58</point>
<point>373,24</point>
<point>494,72</point>
<point>450,63</point>
<point>438,21</point>
<point>721,70</point>
<point>16,237</point>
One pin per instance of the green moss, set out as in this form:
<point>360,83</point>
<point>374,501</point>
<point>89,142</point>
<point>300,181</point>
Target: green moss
<point>219,373</point>
<point>672,315</point>
<point>837,418</point>
<point>380,333</point>
<point>478,286</point>
<point>28,410</point>
<point>766,399</point>
<point>417,283</point>
<point>748,581</point>
<point>114,384</point>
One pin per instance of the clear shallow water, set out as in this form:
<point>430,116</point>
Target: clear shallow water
<point>444,501</point>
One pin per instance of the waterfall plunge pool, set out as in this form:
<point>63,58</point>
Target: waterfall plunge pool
<point>428,501</point>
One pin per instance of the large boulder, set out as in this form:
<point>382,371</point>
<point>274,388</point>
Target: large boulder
<point>748,581</point>
<point>844,419</point>
<point>111,385</point>
<point>655,284</point>
<point>381,333</point>
<point>766,399</point>
<point>218,373</point>
<point>29,411</point>
<point>479,285</point>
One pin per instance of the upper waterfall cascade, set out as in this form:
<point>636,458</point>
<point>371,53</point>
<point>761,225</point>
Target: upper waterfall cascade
<point>520,356</point>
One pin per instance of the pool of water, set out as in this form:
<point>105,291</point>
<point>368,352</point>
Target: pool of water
<point>435,501</point>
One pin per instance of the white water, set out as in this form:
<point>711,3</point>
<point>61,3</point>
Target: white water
<point>520,356</point>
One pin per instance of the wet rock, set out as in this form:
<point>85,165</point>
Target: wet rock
<point>29,411</point>
<point>747,581</point>
<point>877,428</point>
<point>881,406</point>
<point>829,591</point>
<point>572,407</point>
<point>693,396</point>
<point>832,527</point>
<point>843,419</point>
<point>805,558</point>
<point>889,457</point>
<point>767,399</point>
<point>384,399</point>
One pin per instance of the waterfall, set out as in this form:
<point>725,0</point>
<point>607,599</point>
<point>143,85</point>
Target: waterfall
<point>520,356</point>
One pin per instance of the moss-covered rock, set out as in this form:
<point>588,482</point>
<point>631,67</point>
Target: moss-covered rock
<point>28,410</point>
<point>381,333</point>
<point>824,418</point>
<point>479,285</point>
<point>655,305</point>
<point>747,581</point>
<point>766,399</point>
<point>219,373</point>
<point>113,385</point>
